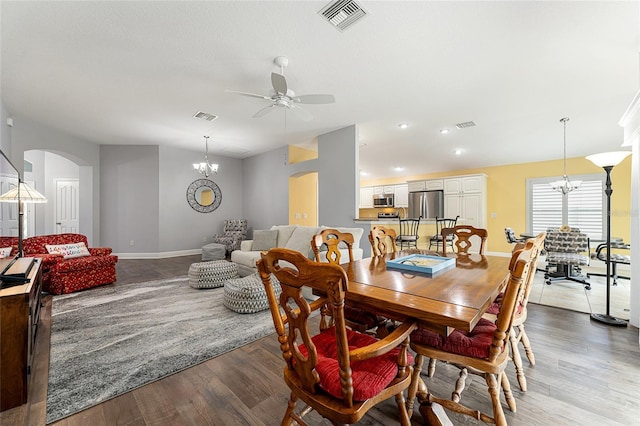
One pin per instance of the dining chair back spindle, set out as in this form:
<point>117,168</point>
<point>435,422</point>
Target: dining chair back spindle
<point>463,237</point>
<point>382,239</point>
<point>441,223</point>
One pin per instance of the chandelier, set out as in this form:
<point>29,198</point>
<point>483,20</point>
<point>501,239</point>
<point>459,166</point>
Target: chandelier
<point>206,168</point>
<point>565,185</point>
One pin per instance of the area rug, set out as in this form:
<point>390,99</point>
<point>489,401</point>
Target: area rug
<point>109,340</point>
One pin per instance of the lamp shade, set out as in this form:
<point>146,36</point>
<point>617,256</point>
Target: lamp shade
<point>608,159</point>
<point>25,194</point>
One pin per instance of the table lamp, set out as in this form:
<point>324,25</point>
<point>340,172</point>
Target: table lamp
<point>608,160</point>
<point>21,194</point>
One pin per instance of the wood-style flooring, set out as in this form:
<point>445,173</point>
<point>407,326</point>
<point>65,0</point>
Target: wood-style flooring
<point>586,373</point>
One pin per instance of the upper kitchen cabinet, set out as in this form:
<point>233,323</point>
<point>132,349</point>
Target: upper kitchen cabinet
<point>466,196</point>
<point>425,185</point>
<point>366,197</point>
<point>401,195</point>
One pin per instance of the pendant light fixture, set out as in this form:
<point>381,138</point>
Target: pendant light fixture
<point>565,185</point>
<point>206,168</point>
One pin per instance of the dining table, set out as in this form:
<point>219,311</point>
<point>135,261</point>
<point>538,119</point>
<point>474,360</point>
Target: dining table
<point>449,299</point>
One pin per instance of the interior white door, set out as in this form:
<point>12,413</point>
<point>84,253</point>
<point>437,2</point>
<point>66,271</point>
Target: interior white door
<point>66,206</point>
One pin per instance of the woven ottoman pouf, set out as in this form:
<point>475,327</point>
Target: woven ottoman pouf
<point>246,295</point>
<point>211,274</point>
<point>214,251</point>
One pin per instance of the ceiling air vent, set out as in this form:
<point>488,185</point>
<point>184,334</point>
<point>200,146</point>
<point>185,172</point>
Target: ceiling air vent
<point>343,13</point>
<point>465,125</point>
<point>205,116</point>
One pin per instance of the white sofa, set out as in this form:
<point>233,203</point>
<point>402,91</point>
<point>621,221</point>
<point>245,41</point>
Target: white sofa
<point>294,237</point>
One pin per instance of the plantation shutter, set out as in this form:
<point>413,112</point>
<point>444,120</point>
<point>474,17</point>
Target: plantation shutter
<point>582,208</point>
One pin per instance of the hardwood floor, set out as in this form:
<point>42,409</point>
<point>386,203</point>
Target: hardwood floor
<point>585,373</point>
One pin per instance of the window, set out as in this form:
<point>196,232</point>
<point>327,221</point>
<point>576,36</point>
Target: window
<point>583,208</point>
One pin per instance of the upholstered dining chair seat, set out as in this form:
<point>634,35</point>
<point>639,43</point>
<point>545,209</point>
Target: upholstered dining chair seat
<point>369,376</point>
<point>474,343</point>
<point>494,308</point>
<point>567,258</point>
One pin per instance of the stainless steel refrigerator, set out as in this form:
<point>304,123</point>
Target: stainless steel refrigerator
<point>426,204</point>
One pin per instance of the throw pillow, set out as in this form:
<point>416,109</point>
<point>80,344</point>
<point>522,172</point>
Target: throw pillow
<point>284,233</point>
<point>5,252</point>
<point>264,239</point>
<point>68,251</point>
<point>301,240</point>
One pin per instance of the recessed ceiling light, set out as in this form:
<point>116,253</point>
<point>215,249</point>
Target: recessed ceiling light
<point>403,125</point>
<point>398,169</point>
<point>458,151</point>
<point>363,173</point>
<point>444,131</point>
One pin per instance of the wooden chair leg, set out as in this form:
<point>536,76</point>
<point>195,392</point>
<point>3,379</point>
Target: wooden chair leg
<point>415,383</point>
<point>517,360</point>
<point>432,367</point>
<point>527,345</point>
<point>460,383</point>
<point>290,414</point>
<point>494,392</point>
<point>405,416</point>
<point>506,388</point>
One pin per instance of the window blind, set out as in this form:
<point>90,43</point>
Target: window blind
<point>582,208</point>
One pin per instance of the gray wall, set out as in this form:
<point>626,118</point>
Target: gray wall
<point>130,198</point>
<point>28,135</point>
<point>266,200</point>
<point>181,227</point>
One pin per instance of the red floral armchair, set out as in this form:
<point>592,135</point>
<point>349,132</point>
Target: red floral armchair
<point>60,275</point>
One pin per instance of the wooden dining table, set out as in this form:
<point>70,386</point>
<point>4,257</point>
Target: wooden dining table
<point>450,299</point>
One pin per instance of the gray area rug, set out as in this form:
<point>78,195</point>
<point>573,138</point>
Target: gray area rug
<point>109,340</point>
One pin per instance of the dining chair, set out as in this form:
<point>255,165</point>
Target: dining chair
<point>462,237</point>
<point>482,351</point>
<point>338,372</point>
<point>356,318</point>
<point>441,223</point>
<point>408,233</point>
<point>567,250</point>
<point>518,334</point>
<point>382,239</point>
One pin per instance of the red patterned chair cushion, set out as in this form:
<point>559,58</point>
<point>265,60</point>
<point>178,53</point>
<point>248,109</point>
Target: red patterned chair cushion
<point>360,316</point>
<point>475,343</point>
<point>369,376</point>
<point>61,275</point>
<point>494,308</point>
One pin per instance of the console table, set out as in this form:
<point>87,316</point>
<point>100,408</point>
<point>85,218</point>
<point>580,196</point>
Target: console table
<point>20,313</point>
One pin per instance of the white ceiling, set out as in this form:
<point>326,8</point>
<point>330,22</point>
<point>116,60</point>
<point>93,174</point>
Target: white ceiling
<point>136,72</point>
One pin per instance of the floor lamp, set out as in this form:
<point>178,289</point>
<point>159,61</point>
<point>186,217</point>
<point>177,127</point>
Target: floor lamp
<point>608,160</point>
<point>21,194</point>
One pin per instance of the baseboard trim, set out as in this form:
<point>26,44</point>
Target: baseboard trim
<point>162,255</point>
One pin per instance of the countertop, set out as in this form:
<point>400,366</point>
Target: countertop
<point>389,221</point>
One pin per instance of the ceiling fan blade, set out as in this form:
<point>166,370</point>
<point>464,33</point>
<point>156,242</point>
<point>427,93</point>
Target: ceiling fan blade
<point>264,111</point>
<point>314,99</point>
<point>253,95</point>
<point>302,113</point>
<point>279,83</point>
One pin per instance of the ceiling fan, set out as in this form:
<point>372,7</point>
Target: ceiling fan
<point>284,97</point>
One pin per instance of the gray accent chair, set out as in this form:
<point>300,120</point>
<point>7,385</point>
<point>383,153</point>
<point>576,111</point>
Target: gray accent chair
<point>233,233</point>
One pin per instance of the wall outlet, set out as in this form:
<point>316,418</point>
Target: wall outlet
<point>204,239</point>
<point>304,215</point>
<point>132,243</point>
<point>493,215</point>
<point>297,215</point>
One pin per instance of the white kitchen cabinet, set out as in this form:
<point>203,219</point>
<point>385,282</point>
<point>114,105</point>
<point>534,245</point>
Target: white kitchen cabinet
<point>416,185</point>
<point>466,196</point>
<point>378,190</point>
<point>433,184</point>
<point>401,198</point>
<point>366,197</point>
<point>389,189</point>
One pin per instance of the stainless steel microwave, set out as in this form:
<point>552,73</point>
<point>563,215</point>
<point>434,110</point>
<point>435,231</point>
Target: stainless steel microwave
<point>383,200</point>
